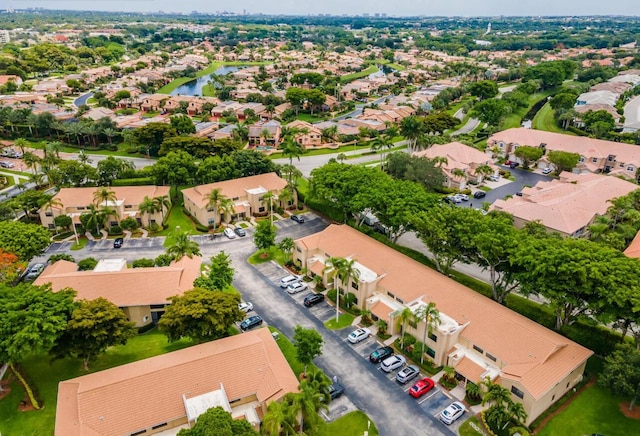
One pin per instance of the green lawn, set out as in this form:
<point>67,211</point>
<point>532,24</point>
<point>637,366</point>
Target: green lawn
<point>81,244</point>
<point>166,89</point>
<point>344,320</point>
<point>351,424</point>
<point>309,118</point>
<point>467,430</point>
<point>46,374</point>
<point>289,351</point>
<point>272,253</point>
<point>544,120</point>
<point>514,119</point>
<point>353,76</point>
<point>594,411</point>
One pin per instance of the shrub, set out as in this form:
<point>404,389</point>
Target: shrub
<point>60,256</point>
<point>331,295</point>
<point>131,150</point>
<point>154,227</point>
<point>129,223</point>
<point>140,181</point>
<point>87,264</point>
<point>143,263</point>
<point>519,430</point>
<point>146,328</point>
<point>163,260</point>
<point>115,230</point>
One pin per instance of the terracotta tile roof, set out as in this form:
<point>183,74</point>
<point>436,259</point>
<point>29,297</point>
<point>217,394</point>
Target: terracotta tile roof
<point>568,204</point>
<point>633,250</point>
<point>127,398</point>
<point>458,155</point>
<point>470,369</point>
<point>512,338</point>
<point>587,147</point>
<point>129,287</point>
<point>381,310</point>
<point>133,195</point>
<point>235,188</point>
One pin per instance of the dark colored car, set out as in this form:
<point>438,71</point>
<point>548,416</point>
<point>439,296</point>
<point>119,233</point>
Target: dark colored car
<point>380,354</point>
<point>298,218</point>
<point>313,299</point>
<point>479,194</point>
<point>240,231</point>
<point>118,243</point>
<point>514,164</point>
<point>250,322</point>
<point>335,390</point>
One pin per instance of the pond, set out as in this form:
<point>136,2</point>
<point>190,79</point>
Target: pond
<point>194,87</point>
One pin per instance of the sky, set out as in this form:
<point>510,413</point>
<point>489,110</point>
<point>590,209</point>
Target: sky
<point>351,7</point>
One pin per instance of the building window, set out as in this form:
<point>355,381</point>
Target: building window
<point>52,226</point>
<point>553,397</point>
<point>209,209</point>
<point>630,168</point>
<point>478,349</point>
<point>621,165</point>
<point>594,159</point>
<point>80,207</point>
<point>354,285</point>
<point>211,221</point>
<point>139,432</point>
<point>491,357</point>
<point>146,318</point>
<point>261,209</point>
<point>431,352</point>
<point>582,159</point>
<point>157,306</point>
<point>610,159</point>
<point>517,392</point>
<point>433,337</point>
<point>48,214</point>
<point>128,206</point>
<point>391,295</point>
<point>298,249</point>
<point>568,385</point>
<point>164,424</point>
<point>400,300</point>
<point>235,198</point>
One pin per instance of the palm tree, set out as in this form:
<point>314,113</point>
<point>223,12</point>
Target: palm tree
<point>22,144</point>
<point>431,317</point>
<point>303,407</point>
<point>148,206</point>
<point>265,135</point>
<point>341,157</point>
<point>484,170</point>
<point>277,421</point>
<point>438,161</point>
<point>183,246</point>
<point>516,410</point>
<point>403,318</point>
<point>285,196</point>
<point>329,133</point>
<point>51,202</point>
<point>53,148</point>
<point>226,206</point>
<point>269,196</point>
<point>241,132</point>
<point>75,129</point>
<point>95,217</point>
<point>162,202</point>
<point>214,199</point>
<point>110,134</point>
<point>341,270</point>
<point>103,195</point>
<point>84,158</point>
<point>411,128</point>
<point>31,160</point>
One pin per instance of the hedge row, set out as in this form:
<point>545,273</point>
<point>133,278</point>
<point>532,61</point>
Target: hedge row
<point>142,181</point>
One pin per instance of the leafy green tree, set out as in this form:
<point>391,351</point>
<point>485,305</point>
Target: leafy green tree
<point>563,100</point>
<point>87,264</point>
<point>251,163</point>
<point>176,168</point>
<point>151,136</point>
<point>341,271</point>
<point>218,422</point>
<point>528,154</point>
<point>94,326</point>
<point>287,245</point>
<point>563,160</point>
<point>308,343</point>
<point>182,124</point>
<point>265,235</point>
<point>201,315</point>
<point>483,89</point>
<point>24,240</point>
<point>426,172</point>
<point>621,374</point>
<point>60,256</point>
<point>163,260</point>
<point>220,275</point>
<point>113,168</point>
<point>183,246</point>
<point>599,122</point>
<point>490,111</point>
<point>63,221</point>
<point>33,317</point>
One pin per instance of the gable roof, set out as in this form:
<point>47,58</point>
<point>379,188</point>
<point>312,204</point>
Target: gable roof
<point>234,188</point>
<point>509,336</point>
<point>133,195</point>
<point>149,392</point>
<point>125,288</point>
<point>568,204</point>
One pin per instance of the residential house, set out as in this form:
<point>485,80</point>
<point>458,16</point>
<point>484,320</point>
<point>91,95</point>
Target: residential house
<point>246,194</point>
<point>265,134</point>
<point>312,136</point>
<point>596,155</point>
<point>153,102</point>
<point>141,293</point>
<point>567,205</point>
<point>76,201</point>
<point>477,336</point>
<point>6,78</point>
<point>176,101</point>
<point>460,163</point>
<point>242,374</point>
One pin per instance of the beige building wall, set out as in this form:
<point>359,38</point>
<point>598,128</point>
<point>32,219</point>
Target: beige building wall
<point>140,315</point>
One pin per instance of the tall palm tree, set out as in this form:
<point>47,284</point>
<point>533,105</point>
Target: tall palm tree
<point>103,195</point>
<point>292,148</point>
<point>148,206</point>
<point>285,196</point>
<point>277,421</point>
<point>183,246</point>
<point>31,160</point>
<point>329,133</point>
<point>226,206</point>
<point>84,157</point>
<point>214,199</point>
<point>403,318</point>
<point>162,201</point>
<point>484,170</point>
<point>431,317</point>
<point>303,408</point>
<point>53,148</point>
<point>95,217</point>
<point>516,410</point>
<point>341,270</point>
<point>110,134</point>
<point>290,172</point>
<point>50,202</point>
<point>22,144</point>
<point>269,196</point>
<point>411,128</point>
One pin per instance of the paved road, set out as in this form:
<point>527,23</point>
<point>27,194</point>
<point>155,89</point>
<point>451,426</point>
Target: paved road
<point>82,99</point>
<point>469,127</point>
<point>359,107</point>
<point>632,115</point>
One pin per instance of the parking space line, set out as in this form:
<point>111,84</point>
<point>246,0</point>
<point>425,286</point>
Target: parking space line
<point>428,396</point>
<point>406,387</point>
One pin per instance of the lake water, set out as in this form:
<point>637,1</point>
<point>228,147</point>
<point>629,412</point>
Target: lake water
<point>194,87</point>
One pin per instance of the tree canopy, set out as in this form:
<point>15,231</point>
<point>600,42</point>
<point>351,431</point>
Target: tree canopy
<point>24,240</point>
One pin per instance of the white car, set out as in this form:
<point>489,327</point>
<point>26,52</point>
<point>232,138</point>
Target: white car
<point>34,271</point>
<point>288,280</point>
<point>547,171</point>
<point>451,413</point>
<point>393,362</point>
<point>6,164</point>
<point>463,197</point>
<point>359,335</point>
<point>296,287</point>
<point>229,233</point>
<point>245,307</point>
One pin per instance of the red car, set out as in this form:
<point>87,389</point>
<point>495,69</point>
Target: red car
<point>421,387</point>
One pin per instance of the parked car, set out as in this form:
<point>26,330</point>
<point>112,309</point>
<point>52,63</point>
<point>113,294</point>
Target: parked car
<point>379,354</point>
<point>494,178</point>
<point>359,335</point>
<point>6,164</point>
<point>298,218</point>
<point>229,233</point>
<point>454,411</point>
<point>453,199</point>
<point>34,271</point>
<point>547,171</point>
<point>117,243</point>
<point>16,154</point>
<point>288,280</point>
<point>463,197</point>
<point>240,231</point>
<point>250,322</point>
<point>519,193</point>
<point>336,389</point>
<point>421,387</point>
<point>393,362</point>
<point>245,307</point>
<point>479,194</point>
<point>296,287</point>
<point>313,299</point>
<point>407,373</point>
<point>512,165</point>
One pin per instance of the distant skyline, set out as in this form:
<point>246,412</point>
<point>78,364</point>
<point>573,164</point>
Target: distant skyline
<point>350,7</point>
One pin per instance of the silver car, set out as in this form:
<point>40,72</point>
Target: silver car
<point>407,373</point>
<point>393,362</point>
<point>296,287</point>
<point>288,280</point>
